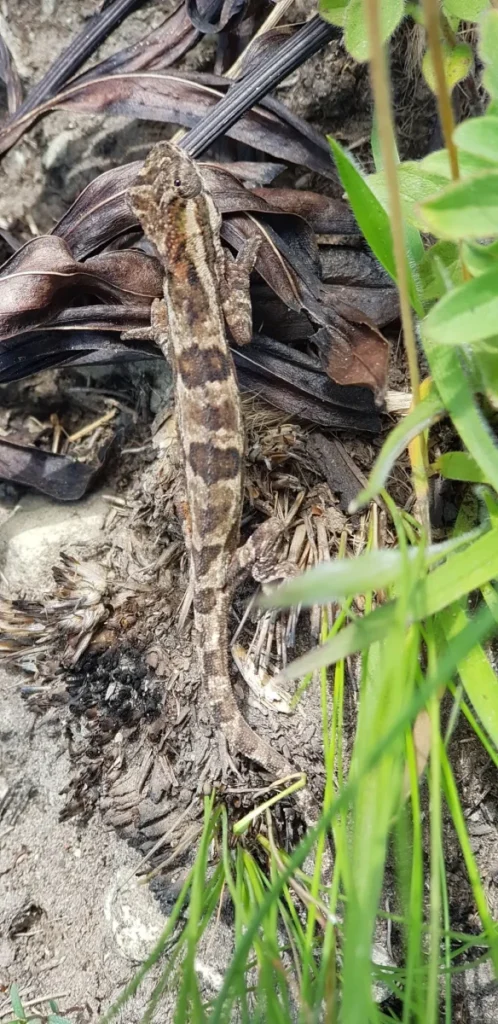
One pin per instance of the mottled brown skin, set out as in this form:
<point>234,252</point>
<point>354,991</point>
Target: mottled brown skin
<point>179,216</point>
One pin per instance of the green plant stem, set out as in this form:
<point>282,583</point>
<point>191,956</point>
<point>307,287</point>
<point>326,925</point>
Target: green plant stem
<point>433,30</point>
<point>383,109</point>
<point>381,91</point>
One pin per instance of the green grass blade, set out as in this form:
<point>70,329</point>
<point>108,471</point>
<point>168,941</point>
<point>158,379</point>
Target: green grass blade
<point>464,571</point>
<point>460,646</point>
<point>421,418</point>
<point>455,808</point>
<point>459,466</point>
<point>16,1003</point>
<point>455,390</point>
<point>478,678</point>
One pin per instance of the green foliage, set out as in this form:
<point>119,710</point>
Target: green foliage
<point>349,14</point>
<point>458,61</point>
<point>21,1014</point>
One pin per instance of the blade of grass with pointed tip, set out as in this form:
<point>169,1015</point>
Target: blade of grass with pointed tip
<point>371,216</point>
<point>464,571</point>
<point>345,577</point>
<point>478,678</point>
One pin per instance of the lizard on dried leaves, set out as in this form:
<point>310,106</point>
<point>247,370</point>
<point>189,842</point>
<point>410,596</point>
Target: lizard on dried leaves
<point>204,289</point>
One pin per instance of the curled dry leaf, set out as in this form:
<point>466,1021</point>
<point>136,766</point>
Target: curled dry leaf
<point>324,214</point>
<point>352,350</point>
<point>219,16</point>
<point>36,282</point>
<point>265,46</point>
<point>160,48</point>
<point>57,476</point>
<point>33,351</point>
<point>102,213</point>
<point>183,99</point>
<point>294,382</point>
<point>96,29</point>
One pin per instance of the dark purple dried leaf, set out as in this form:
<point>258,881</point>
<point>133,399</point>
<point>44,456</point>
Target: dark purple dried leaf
<point>264,47</point>
<point>79,50</point>
<point>330,463</point>
<point>160,48</point>
<point>33,351</point>
<point>57,476</point>
<point>215,16</point>
<point>377,306</point>
<point>41,278</point>
<point>294,383</point>
<point>324,214</point>
<point>102,213</point>
<point>352,352</point>
<point>183,99</point>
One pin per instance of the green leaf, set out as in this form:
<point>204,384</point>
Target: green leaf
<point>465,10</point>
<point>414,10</point>
<point>371,216</point>
<point>479,135</point>
<point>15,1000</point>
<point>457,60</point>
<point>418,419</point>
<point>488,49</point>
<point>485,365</point>
<point>479,258</point>
<point>334,11</point>
<point>355,33</point>
<point>440,265</point>
<point>415,184</point>
<point>467,314</point>
<point>479,681</point>
<point>459,466</point>
<point>466,209</point>
<point>437,165</point>
<point>456,392</point>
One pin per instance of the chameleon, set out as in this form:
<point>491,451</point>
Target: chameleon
<point>206,292</point>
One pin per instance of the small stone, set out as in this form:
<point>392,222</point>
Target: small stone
<point>31,542</point>
<point>134,917</point>
<point>481,994</point>
<point>7,953</point>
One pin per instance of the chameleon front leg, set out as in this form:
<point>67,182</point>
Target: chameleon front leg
<point>234,290</point>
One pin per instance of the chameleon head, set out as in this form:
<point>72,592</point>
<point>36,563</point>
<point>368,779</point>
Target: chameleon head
<point>168,173</point>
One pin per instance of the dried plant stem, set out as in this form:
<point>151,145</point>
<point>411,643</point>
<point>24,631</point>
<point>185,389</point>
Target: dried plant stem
<point>270,22</point>
<point>433,30</point>
<point>382,99</point>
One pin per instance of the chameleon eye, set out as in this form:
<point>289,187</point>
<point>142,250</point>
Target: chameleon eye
<point>177,182</point>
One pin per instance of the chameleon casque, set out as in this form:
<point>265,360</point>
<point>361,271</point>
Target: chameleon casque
<point>206,290</point>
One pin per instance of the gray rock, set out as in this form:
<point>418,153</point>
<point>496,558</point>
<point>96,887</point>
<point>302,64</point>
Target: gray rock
<point>481,994</point>
<point>34,536</point>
